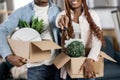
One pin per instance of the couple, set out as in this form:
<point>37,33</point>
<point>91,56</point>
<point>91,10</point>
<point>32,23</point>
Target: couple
<point>76,14</point>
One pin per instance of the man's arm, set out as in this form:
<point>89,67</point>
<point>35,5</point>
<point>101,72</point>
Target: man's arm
<point>6,28</point>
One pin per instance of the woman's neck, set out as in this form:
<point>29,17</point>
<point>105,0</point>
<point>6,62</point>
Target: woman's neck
<point>77,12</point>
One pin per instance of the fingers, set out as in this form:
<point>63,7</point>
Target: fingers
<point>19,63</point>
<point>66,19</point>
<point>61,25</point>
<point>16,60</point>
<point>24,60</point>
<point>89,74</point>
<point>88,69</point>
<point>81,68</point>
<point>94,75</point>
<point>63,21</point>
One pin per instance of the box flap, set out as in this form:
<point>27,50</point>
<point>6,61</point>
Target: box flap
<point>46,45</point>
<point>37,55</point>
<point>61,60</point>
<point>104,55</point>
<point>75,64</point>
<point>19,48</point>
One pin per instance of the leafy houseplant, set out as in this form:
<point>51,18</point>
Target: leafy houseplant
<point>35,24</point>
<point>75,49</point>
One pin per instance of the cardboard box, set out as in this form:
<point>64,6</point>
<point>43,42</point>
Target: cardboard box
<point>33,51</point>
<point>73,65</point>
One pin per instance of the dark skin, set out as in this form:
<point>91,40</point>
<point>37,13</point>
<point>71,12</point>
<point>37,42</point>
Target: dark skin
<point>76,7</point>
<point>41,3</point>
<point>17,60</point>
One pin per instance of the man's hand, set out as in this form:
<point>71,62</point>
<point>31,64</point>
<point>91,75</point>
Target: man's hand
<point>16,60</point>
<point>88,68</point>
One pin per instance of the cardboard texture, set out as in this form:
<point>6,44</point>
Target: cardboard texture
<point>60,60</point>
<point>74,70</point>
<point>33,51</point>
<point>73,65</point>
<point>102,54</point>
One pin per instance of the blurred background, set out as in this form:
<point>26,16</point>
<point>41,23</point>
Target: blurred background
<point>108,12</point>
<point>102,7</point>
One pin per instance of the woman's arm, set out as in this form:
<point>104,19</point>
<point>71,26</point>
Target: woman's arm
<point>96,43</point>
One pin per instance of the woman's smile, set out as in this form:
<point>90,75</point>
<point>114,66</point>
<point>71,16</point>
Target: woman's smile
<point>74,2</point>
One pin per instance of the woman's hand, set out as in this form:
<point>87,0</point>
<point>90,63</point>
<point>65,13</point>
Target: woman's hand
<point>16,60</point>
<point>63,21</point>
<point>88,68</point>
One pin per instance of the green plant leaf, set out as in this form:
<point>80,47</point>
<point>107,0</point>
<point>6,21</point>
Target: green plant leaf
<point>35,24</point>
<point>75,49</point>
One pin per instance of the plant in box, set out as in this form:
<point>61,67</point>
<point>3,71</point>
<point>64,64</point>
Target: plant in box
<point>35,24</point>
<point>75,48</point>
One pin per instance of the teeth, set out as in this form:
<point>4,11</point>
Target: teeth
<point>74,2</point>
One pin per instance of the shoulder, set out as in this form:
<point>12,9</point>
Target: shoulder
<point>95,17</point>
<point>93,14</point>
<point>23,9</point>
<point>28,7</point>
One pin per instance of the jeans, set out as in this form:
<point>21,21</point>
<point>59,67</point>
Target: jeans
<point>43,73</point>
<point>68,78</point>
<point>87,79</point>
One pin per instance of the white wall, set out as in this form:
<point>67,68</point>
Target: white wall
<point>60,3</point>
<point>106,18</point>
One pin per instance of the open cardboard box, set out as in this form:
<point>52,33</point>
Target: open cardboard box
<point>72,65</point>
<point>33,51</point>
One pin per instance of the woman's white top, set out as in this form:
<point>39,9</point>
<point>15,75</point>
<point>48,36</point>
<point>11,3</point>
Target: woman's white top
<point>95,45</point>
<point>77,30</point>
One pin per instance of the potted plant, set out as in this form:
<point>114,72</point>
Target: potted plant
<point>35,24</point>
<point>75,48</point>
